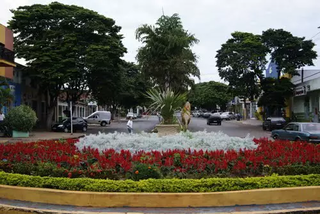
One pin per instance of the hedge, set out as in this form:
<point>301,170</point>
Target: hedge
<point>160,185</point>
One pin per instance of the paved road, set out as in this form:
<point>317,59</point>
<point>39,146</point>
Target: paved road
<point>231,128</point>
<point>139,125</point>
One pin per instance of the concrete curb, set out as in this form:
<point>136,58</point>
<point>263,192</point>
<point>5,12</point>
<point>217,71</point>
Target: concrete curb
<point>214,199</point>
<point>17,210</point>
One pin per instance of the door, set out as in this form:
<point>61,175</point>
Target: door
<point>93,119</point>
<point>291,132</point>
<point>287,134</point>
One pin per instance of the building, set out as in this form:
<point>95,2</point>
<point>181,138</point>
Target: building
<point>7,62</point>
<point>306,98</point>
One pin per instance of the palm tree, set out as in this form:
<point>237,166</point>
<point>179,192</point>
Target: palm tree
<point>167,102</point>
<point>166,57</point>
<point>5,93</point>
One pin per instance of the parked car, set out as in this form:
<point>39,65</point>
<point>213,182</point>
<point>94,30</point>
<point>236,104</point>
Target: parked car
<point>309,132</point>
<point>214,118</point>
<point>78,124</point>
<point>132,115</point>
<point>196,114</point>
<point>206,114</point>
<point>225,116</point>
<point>273,123</point>
<point>99,117</point>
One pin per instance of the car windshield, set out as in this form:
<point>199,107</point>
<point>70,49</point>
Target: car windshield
<point>311,127</point>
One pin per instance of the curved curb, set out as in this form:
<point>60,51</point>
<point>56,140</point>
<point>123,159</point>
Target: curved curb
<point>214,199</point>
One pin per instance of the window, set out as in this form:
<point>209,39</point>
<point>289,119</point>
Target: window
<point>290,127</point>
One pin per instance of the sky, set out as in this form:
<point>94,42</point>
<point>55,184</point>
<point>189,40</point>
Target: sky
<point>211,21</point>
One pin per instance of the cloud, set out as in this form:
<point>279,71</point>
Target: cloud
<point>211,21</point>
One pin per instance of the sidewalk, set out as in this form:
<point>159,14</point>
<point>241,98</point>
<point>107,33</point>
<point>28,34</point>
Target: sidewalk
<point>29,207</point>
<point>42,135</point>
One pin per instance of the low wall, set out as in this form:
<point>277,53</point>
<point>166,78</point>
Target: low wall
<point>101,199</point>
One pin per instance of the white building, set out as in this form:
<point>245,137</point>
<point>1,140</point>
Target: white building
<point>305,103</point>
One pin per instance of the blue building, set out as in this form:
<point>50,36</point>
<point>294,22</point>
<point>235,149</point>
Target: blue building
<point>272,70</point>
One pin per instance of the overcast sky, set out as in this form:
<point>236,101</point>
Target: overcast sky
<point>212,21</point>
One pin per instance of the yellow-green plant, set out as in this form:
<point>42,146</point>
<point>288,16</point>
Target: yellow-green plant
<point>167,102</point>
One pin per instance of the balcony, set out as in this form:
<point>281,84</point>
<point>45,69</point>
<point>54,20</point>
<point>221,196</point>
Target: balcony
<point>6,57</point>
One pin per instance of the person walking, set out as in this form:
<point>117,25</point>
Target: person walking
<point>130,125</point>
<point>1,117</point>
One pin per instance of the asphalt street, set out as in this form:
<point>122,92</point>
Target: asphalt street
<point>231,128</point>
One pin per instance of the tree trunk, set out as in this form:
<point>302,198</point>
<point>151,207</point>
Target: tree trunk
<point>49,118</point>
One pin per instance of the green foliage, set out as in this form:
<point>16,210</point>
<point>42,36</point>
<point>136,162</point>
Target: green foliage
<point>241,62</point>
<point>166,56</point>
<point>160,185</point>
<point>6,96</point>
<point>287,51</point>
<point>144,171</point>
<point>21,118</point>
<point>275,93</point>
<point>167,102</point>
<point>133,86</point>
<point>209,94</point>
<point>68,47</point>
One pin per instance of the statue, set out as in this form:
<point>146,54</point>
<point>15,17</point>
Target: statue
<point>186,116</point>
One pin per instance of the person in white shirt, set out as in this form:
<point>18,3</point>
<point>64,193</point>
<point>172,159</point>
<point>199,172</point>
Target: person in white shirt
<point>1,117</point>
<point>130,125</point>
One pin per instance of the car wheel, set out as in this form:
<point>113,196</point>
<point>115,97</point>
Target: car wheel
<point>264,128</point>
<point>84,129</point>
<point>208,123</point>
<point>66,130</point>
<point>103,123</point>
<point>298,139</point>
<point>275,137</point>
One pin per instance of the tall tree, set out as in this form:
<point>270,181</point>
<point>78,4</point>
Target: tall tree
<point>241,62</point>
<point>210,94</point>
<point>287,51</point>
<point>6,96</point>
<point>166,56</point>
<point>58,42</point>
<point>275,93</point>
<point>133,86</point>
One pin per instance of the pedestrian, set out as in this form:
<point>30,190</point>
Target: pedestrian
<point>130,125</point>
<point>1,117</point>
<point>159,116</point>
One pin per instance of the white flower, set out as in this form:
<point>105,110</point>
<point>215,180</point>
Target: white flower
<point>150,141</point>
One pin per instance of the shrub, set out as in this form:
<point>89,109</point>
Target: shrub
<point>160,185</point>
<point>144,171</point>
<point>21,118</point>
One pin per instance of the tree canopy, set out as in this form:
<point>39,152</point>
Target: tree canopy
<point>241,62</point>
<point>275,93</point>
<point>287,51</point>
<point>208,95</point>
<point>166,57</point>
<point>66,48</point>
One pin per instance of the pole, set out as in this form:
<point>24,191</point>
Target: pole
<point>71,118</point>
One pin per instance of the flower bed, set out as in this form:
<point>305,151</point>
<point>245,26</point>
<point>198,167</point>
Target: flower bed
<point>147,142</point>
<point>64,159</point>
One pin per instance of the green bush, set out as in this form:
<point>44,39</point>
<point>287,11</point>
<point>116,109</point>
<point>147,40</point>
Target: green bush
<point>21,118</point>
<point>160,185</point>
<point>144,171</point>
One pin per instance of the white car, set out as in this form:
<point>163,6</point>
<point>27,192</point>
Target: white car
<point>225,116</point>
<point>132,115</point>
<point>99,117</point>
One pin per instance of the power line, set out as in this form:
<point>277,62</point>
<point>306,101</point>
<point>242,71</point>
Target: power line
<point>307,76</point>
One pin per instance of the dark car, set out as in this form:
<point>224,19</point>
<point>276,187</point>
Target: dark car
<point>272,123</point>
<point>78,123</point>
<point>309,132</point>
<point>214,118</point>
